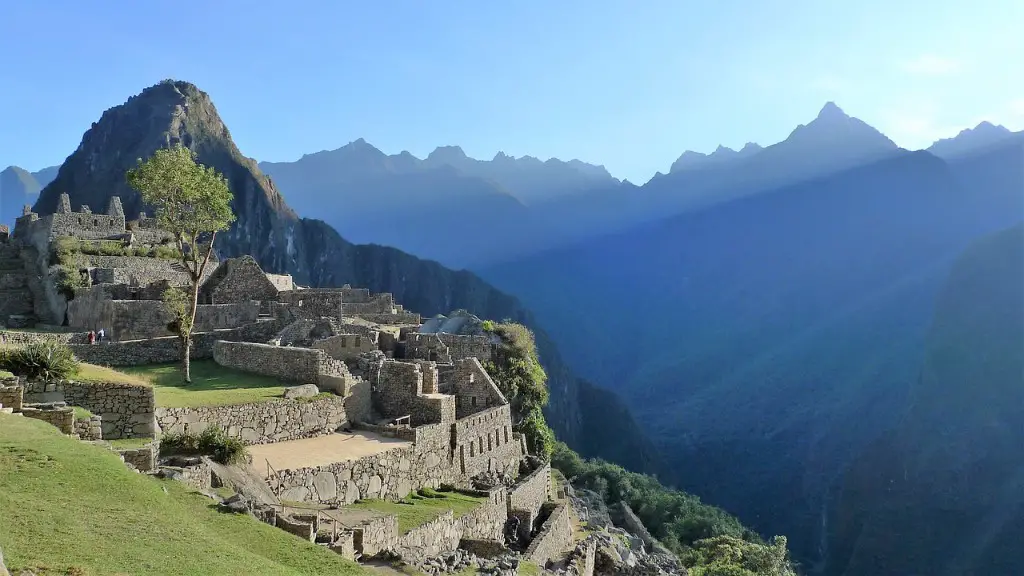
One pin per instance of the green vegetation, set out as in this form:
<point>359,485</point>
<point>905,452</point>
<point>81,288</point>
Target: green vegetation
<point>68,280</point>
<point>129,443</point>
<point>66,250</point>
<point>212,385</point>
<point>517,371</point>
<point>81,413</point>
<point>48,359</point>
<point>193,202</point>
<point>731,556</point>
<point>709,538</point>
<point>212,442</point>
<point>528,569</point>
<point>76,509</point>
<point>94,373</point>
<point>417,509</point>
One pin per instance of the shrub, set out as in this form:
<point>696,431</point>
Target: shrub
<point>66,249</point>
<point>47,360</point>
<point>212,442</point>
<point>69,278</point>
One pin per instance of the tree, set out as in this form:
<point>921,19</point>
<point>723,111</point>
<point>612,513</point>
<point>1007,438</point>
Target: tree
<point>192,202</point>
<point>517,371</point>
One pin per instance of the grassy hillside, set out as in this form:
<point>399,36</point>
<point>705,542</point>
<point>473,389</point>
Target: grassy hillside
<point>73,508</point>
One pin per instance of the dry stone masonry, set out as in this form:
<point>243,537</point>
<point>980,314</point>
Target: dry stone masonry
<point>125,410</point>
<point>357,361</point>
<point>260,423</point>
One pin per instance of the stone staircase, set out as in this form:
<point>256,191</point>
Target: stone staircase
<point>16,303</point>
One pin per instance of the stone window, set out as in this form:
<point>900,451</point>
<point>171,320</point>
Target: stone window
<point>506,434</point>
<point>480,442</point>
<point>471,453</point>
<point>489,445</point>
<point>472,401</point>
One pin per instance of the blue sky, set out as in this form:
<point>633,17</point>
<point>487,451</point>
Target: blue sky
<point>628,84</point>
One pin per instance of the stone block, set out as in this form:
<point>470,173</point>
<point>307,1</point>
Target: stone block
<point>303,391</point>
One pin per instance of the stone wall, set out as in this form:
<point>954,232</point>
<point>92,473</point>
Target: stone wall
<point>398,391</point>
<point>288,363</point>
<point>398,318</point>
<point>484,443</point>
<point>281,281</point>
<point>126,410</point>
<point>314,303</point>
<point>62,418</point>
<point>346,347</point>
<point>16,338</point>
<point>141,270</point>
<point>431,539</point>
<point>554,538</point>
<point>358,400</point>
<point>390,475</point>
<point>238,280</point>
<point>451,346</point>
<point>375,304</point>
<point>473,388</point>
<point>529,494</point>
<point>487,521</point>
<point>138,319</point>
<point>168,349</point>
<point>11,394</point>
<point>583,557</point>
<point>262,422</point>
<point>142,459</point>
<point>89,428</point>
<point>376,536</point>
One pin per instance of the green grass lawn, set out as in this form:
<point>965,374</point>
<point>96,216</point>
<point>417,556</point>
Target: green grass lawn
<point>418,510</point>
<point>94,373</point>
<point>212,385</point>
<point>74,508</point>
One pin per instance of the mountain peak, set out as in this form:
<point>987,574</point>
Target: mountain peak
<point>831,111</point>
<point>968,139</point>
<point>447,154</point>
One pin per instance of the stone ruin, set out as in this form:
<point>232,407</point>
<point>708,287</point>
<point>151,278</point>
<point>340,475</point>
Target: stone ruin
<point>417,392</point>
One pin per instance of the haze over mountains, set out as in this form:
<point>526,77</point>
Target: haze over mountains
<point>426,205</point>
<point>771,315</point>
<point>764,312</point>
<point>18,188</point>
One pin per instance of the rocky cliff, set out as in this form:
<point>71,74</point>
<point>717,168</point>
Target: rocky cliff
<point>314,253</point>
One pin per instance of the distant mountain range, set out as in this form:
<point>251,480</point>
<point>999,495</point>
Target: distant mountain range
<point>18,188</point>
<point>519,206</point>
<point>767,339</point>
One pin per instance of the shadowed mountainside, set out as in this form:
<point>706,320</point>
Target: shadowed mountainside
<point>763,342</point>
<point>943,493</point>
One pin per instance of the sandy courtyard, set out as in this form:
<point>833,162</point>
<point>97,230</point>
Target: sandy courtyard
<point>311,452</point>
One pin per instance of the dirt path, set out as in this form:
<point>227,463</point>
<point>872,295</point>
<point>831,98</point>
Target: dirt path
<point>312,452</point>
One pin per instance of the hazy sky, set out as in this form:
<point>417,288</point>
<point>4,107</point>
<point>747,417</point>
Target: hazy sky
<point>629,84</point>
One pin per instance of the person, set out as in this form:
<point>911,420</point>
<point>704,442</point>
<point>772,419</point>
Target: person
<point>99,335</point>
<point>92,337</point>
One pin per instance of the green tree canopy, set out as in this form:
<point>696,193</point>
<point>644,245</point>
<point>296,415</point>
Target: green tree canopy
<point>192,202</point>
